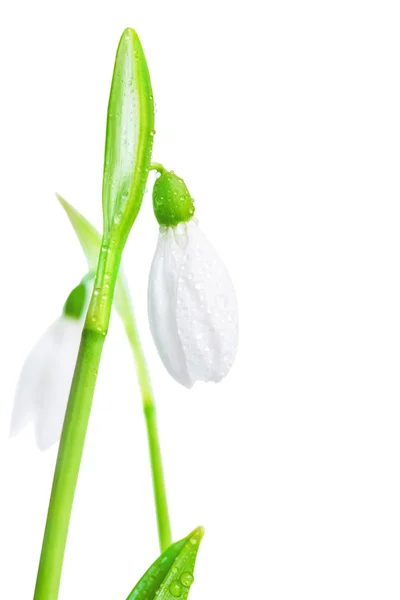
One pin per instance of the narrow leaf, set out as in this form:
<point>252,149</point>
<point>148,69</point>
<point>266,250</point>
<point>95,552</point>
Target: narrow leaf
<point>171,575</point>
<point>90,240</point>
<point>129,138</point>
<point>88,235</point>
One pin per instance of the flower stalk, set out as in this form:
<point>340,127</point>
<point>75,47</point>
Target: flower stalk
<point>75,426</point>
<point>150,415</point>
<point>90,240</point>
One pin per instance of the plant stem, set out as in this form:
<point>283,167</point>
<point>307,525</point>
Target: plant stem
<point>75,426</point>
<point>149,409</point>
<point>157,167</point>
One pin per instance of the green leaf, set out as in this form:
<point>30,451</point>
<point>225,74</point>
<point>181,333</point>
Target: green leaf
<point>129,137</point>
<point>90,240</point>
<point>88,235</point>
<point>171,575</point>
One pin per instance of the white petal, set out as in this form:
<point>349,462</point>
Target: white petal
<point>45,381</point>
<point>192,307</point>
<point>162,306</point>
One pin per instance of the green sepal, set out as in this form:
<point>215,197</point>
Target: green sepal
<point>75,303</point>
<point>171,575</point>
<point>129,137</point>
<point>172,202</point>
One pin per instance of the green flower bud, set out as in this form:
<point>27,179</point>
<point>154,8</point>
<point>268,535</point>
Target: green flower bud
<point>75,302</point>
<point>172,202</point>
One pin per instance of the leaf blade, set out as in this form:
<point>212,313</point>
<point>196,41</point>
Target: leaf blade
<point>90,240</point>
<point>88,236</point>
<point>171,575</point>
<point>129,135</point>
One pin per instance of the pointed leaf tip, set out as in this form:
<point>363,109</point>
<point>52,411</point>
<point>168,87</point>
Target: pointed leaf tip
<point>171,575</point>
<point>129,137</point>
<point>88,235</point>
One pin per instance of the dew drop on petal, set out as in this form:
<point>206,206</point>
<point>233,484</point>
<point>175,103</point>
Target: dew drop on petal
<point>222,301</point>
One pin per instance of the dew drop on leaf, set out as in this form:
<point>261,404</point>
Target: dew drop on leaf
<point>187,579</point>
<point>175,589</point>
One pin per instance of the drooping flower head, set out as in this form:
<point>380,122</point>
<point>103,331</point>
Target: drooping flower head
<point>46,376</point>
<point>192,303</point>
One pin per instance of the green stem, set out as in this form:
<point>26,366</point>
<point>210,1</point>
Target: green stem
<point>149,409</point>
<point>75,426</point>
<point>157,167</point>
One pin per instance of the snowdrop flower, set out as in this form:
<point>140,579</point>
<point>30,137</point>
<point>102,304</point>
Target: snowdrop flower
<point>46,377</point>
<point>192,303</point>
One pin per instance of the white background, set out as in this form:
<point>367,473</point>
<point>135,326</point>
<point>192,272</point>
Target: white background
<point>284,119</point>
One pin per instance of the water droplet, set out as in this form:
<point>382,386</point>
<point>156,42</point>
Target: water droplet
<point>193,541</point>
<point>175,589</point>
<point>187,579</point>
<point>180,229</point>
<point>199,285</point>
<point>222,301</point>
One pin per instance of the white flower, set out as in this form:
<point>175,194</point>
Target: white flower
<point>45,381</point>
<point>192,306</point>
